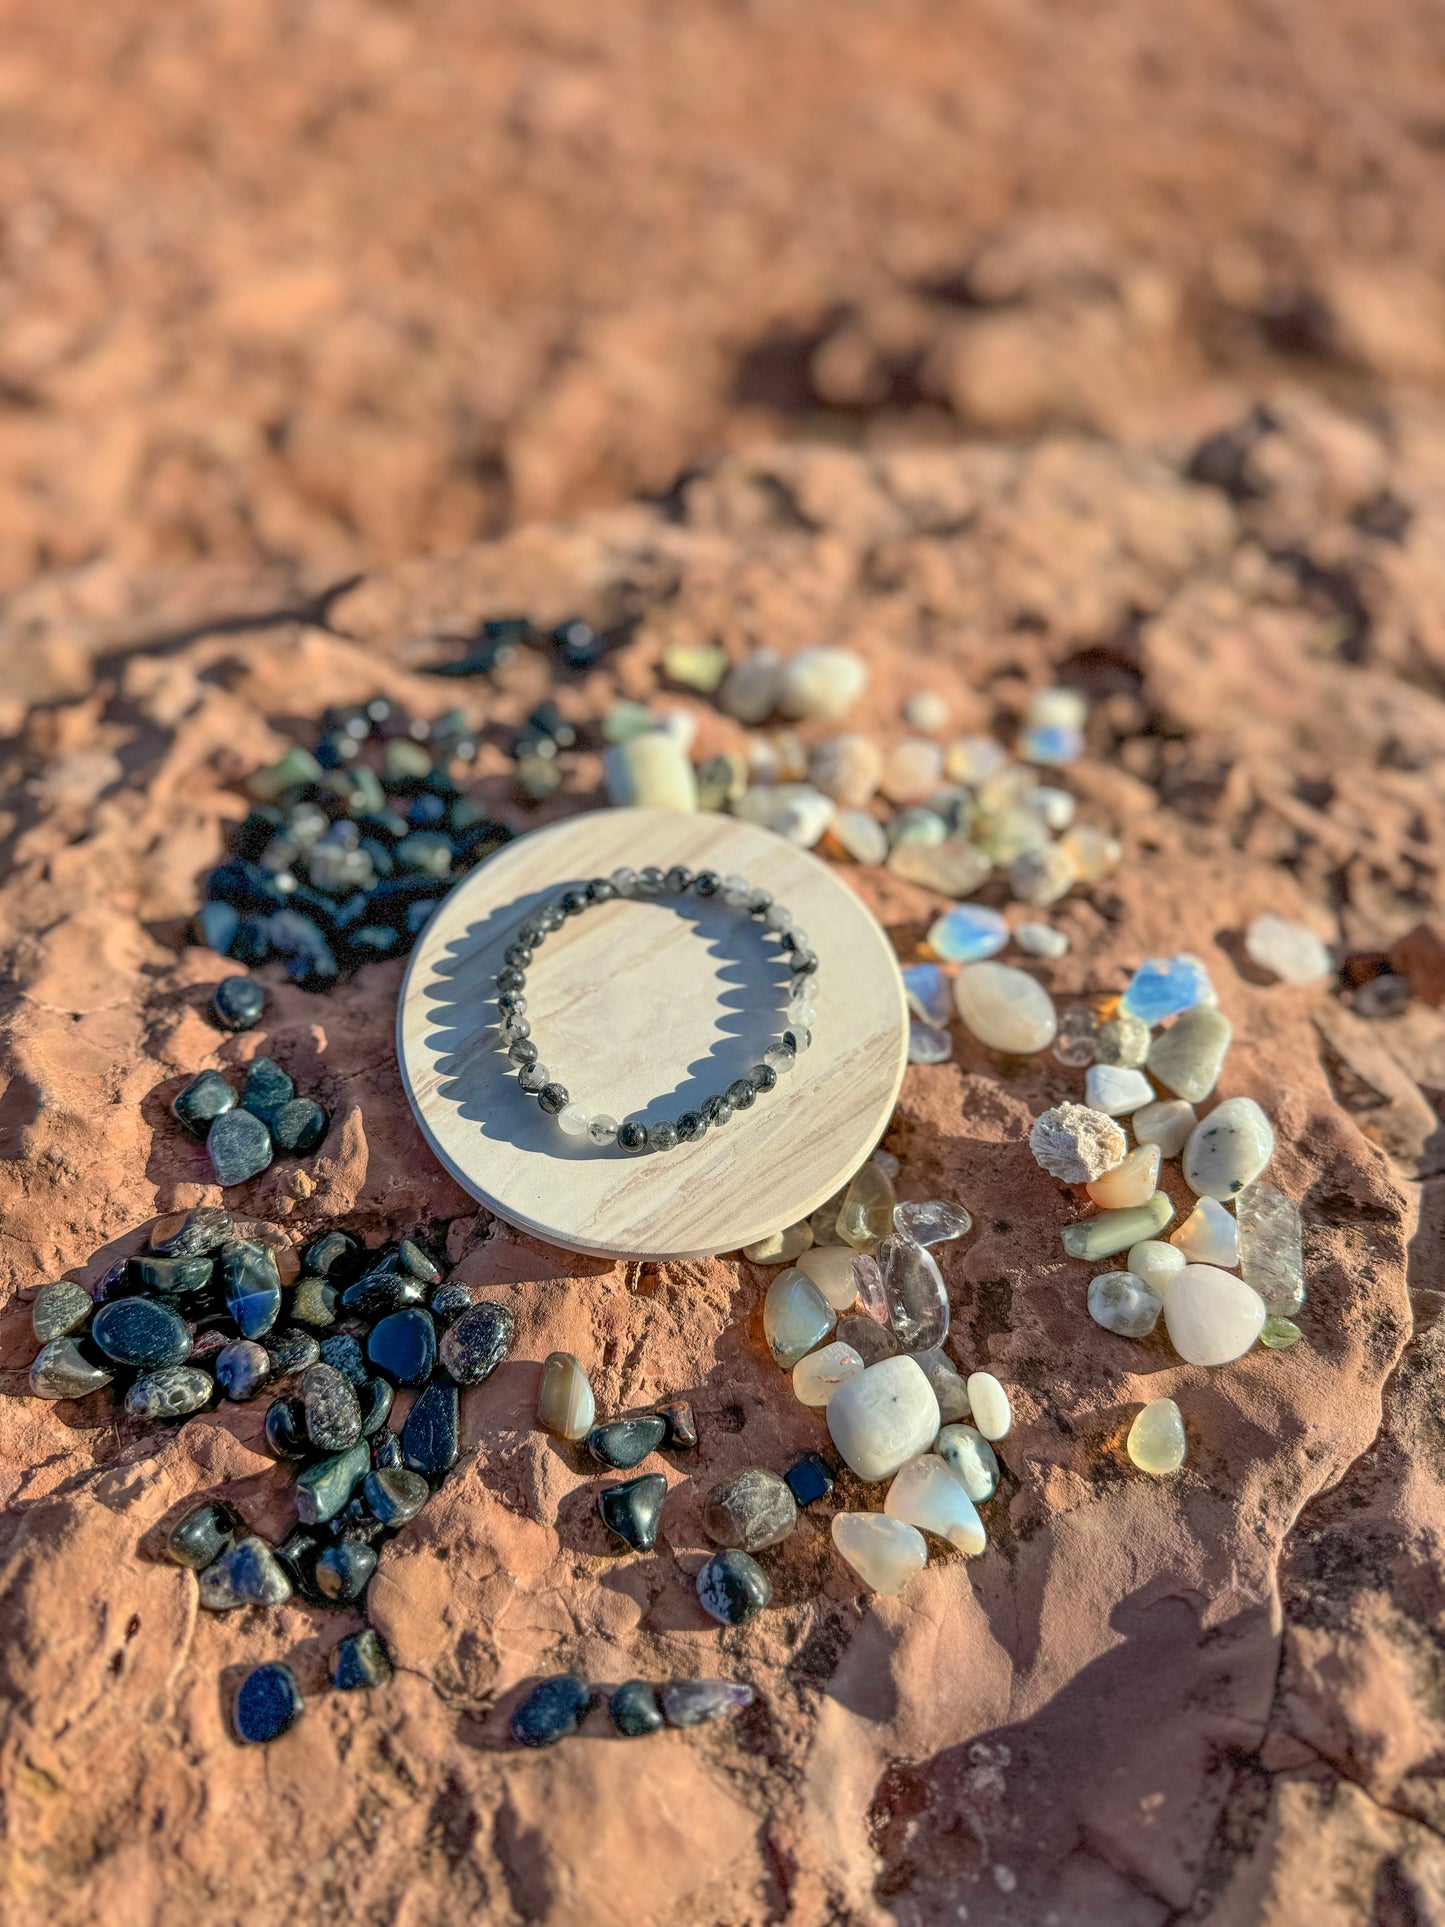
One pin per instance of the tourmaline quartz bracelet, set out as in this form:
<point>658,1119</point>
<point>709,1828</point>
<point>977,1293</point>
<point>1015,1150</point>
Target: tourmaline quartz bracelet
<point>631,1134</point>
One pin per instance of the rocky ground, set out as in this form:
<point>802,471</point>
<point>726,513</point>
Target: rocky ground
<point>1213,1698</point>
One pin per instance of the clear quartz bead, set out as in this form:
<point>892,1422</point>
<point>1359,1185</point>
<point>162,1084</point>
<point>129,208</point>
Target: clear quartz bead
<point>602,1129</point>
<point>532,1077</point>
<point>801,1011</point>
<point>778,917</point>
<point>735,892</point>
<point>573,1121</point>
<point>624,881</point>
<point>782,1057</point>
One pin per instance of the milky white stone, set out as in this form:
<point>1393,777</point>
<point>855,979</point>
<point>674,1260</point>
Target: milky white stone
<point>1291,951</point>
<point>1041,876</point>
<point>1166,1124</point>
<point>822,683</point>
<point>1122,1302</point>
<point>950,1387</point>
<point>565,1404</point>
<point>953,867</point>
<point>1115,1090</point>
<point>885,1553</point>
<point>1156,1438</point>
<point>1134,1181</point>
<point>1188,1057</point>
<point>848,769</point>
<point>1155,1262</point>
<point>1228,1149</point>
<point>1211,1316</point>
<point>1209,1235</point>
<point>1076,1144</point>
<point>650,772</point>
<point>884,1417</point>
<point>1040,940</point>
<point>862,836</point>
<point>1271,1247</point>
<point>970,1457</point>
<point>912,770</point>
<point>796,1317</point>
<point>973,759</point>
<point>988,1401</point>
<point>779,1246</point>
<point>928,1495</point>
<point>818,1376</point>
<point>831,1269</point>
<point>1005,1008</point>
<point>926,709</point>
<point>750,692</point>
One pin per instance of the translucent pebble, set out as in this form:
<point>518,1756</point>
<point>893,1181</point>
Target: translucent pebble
<point>1124,1303</point>
<point>1122,1040</point>
<point>1208,1236</point>
<point>823,682</point>
<point>867,1214</point>
<point>1134,1181</point>
<point>887,1163</point>
<point>823,1223</point>
<point>796,1317</point>
<point>1188,1057</point>
<point>912,770</point>
<point>1156,1438</point>
<point>818,1376</point>
<point>1290,951</point>
<point>929,993</point>
<point>918,1309</point>
<point>1167,1124</point>
<point>1228,1149</point>
<point>971,1459</point>
<point>953,868</point>
<point>1271,1248</point>
<point>926,709</point>
<point>565,1404</point>
<point>1074,1045</point>
<point>1041,876</point>
<point>988,1400</point>
<point>1278,1334</point>
<point>871,1341</point>
<point>1115,1091</point>
<point>1075,1143</point>
<point>1164,986</point>
<point>884,1417</point>
<point>932,1222</point>
<point>1155,1262</point>
<point>927,1045</point>
<point>831,1268</point>
<point>1040,940</point>
<point>868,1277</point>
<point>650,772</point>
<point>861,835</point>
<point>780,1058</point>
<point>1005,1008</point>
<point>950,1387</point>
<point>573,1121</point>
<point>848,769</point>
<point>1096,853</point>
<point>1212,1317</point>
<point>603,1129</point>
<point>801,1014</point>
<point>968,934</point>
<point>780,1247</point>
<point>1113,1231</point>
<point>926,1494</point>
<point>884,1552</point>
<point>973,759</point>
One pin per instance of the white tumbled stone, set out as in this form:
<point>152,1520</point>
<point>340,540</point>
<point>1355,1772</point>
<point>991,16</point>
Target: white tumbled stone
<point>1211,1316</point>
<point>817,1377</point>
<point>884,1417</point>
<point>1155,1261</point>
<point>831,1269</point>
<point>1124,1303</point>
<point>1228,1149</point>
<point>927,1494</point>
<point>1005,1008</point>
<point>885,1553</point>
<point>1290,951</point>
<point>1076,1143</point>
<point>988,1401</point>
<point>650,772</point>
<point>823,682</point>
<point>1188,1057</point>
<point>1167,1124</point>
<point>1115,1090</point>
<point>1209,1235</point>
<point>970,1457</point>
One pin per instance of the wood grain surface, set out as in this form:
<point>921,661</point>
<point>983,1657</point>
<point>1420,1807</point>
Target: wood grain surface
<point>642,1008</point>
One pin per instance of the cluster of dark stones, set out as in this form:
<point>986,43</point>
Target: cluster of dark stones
<point>556,1707</point>
<point>270,1119</point>
<point>349,846</point>
<point>632,1508</point>
<point>745,1514</point>
<point>217,1306</point>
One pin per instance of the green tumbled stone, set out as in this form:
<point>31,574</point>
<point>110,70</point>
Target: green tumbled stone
<point>239,1146</point>
<point>1279,1334</point>
<point>323,1489</point>
<point>1112,1231</point>
<point>59,1309</point>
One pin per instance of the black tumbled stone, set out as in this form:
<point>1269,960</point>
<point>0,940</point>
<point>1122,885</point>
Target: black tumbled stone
<point>242,1368</point>
<point>681,1425</point>
<point>635,1709</point>
<point>377,1396</point>
<point>202,1231</point>
<point>732,1587</point>
<point>291,1351</point>
<point>198,1104</point>
<point>296,1556</point>
<point>252,1285</point>
<point>449,1301</point>
<point>429,1439</point>
<point>285,1426</point>
<point>238,1003</point>
<point>332,1409</point>
<point>299,1127</point>
<point>267,1089</point>
<point>268,1704</point>
<point>626,1442</point>
<point>404,1346</point>
<point>142,1333</point>
<point>201,1537</point>
<point>335,1255</point>
<point>376,1293</point>
<point>553,1709</point>
<point>416,1263</point>
<point>632,1510</point>
<point>385,1451</point>
<point>476,1343</point>
<point>173,1392</point>
<point>342,1351</point>
<point>172,1276</point>
<point>343,1571</point>
<point>395,1494</point>
<point>809,1480</point>
<point>239,1147</point>
<point>324,1488</point>
<point>360,1661</point>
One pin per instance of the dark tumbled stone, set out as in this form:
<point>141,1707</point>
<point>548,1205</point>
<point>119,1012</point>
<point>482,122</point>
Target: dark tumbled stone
<point>634,1709</point>
<point>404,1346</point>
<point>385,1451</point>
<point>267,1089</point>
<point>627,1441</point>
<point>692,1702</point>
<point>173,1392</point>
<point>376,1398</point>
<point>238,1003</point>
<point>376,1293</point>
<point>360,1661</point>
<point>414,1260</point>
<point>395,1495</point>
<point>291,1351</point>
<point>198,1104</point>
<point>59,1310</point>
<point>141,1333</point>
<point>632,1136</point>
<point>296,1555</point>
<point>333,1411</point>
<point>632,1510</point>
<point>198,1540</point>
<point>809,1480</point>
<point>298,1127</point>
<point>752,1510</point>
<point>343,1571</point>
<point>732,1586</point>
<point>200,1232</point>
<point>252,1285</point>
<point>430,1438</point>
<point>324,1488</point>
<point>449,1301</point>
<point>477,1342</point>
<point>553,1709</point>
<point>681,1426</point>
<point>239,1146</point>
<point>242,1368</point>
<point>314,1302</point>
<point>343,1352</point>
<point>286,1429</point>
<point>173,1277</point>
<point>335,1255</point>
<point>249,1574</point>
<point>268,1704</point>
<point>62,1370</point>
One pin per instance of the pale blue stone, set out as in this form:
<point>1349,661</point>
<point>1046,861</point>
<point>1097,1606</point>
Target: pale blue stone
<point>1052,744</point>
<point>1163,986</point>
<point>969,934</point>
<point>927,1044</point>
<point>928,993</point>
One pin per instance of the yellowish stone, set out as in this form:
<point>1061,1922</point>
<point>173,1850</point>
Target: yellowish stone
<point>1156,1438</point>
<point>831,1269</point>
<point>867,1215</point>
<point>780,1247</point>
<point>1132,1182</point>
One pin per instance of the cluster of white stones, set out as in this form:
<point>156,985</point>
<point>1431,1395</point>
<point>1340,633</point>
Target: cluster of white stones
<point>1159,1057</point>
<point>859,1317</point>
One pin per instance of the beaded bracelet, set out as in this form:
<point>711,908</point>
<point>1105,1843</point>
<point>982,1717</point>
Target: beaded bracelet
<point>632,1135</point>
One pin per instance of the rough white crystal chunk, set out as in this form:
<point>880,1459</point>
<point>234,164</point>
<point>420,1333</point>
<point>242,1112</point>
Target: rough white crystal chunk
<point>1115,1090</point>
<point>1005,1008</point>
<point>988,1401</point>
<point>1212,1317</point>
<point>1076,1143</point>
<point>1271,1247</point>
<point>970,1457</point>
<point>1188,1057</point>
<point>1209,1235</point>
<point>1122,1302</point>
<point>885,1553</point>
<point>928,1495</point>
<point>1228,1149</point>
<point>817,1377</point>
<point>884,1417</point>
<point>1291,951</point>
<point>1166,1124</point>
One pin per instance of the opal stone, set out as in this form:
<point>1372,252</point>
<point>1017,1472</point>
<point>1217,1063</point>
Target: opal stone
<point>475,1344</point>
<point>198,1104</point>
<point>989,1402</point>
<point>1115,1091</point>
<point>753,1509</point>
<point>565,1404</point>
<point>246,1574</point>
<point>324,1488</point>
<point>818,1376</point>
<point>1188,1057</point>
<point>394,1495</point>
<point>732,1587</point>
<point>268,1704</point>
<point>693,1702</point>
<point>927,1045</point>
<point>59,1309</point>
<point>1122,1041</point>
<point>1166,1124</point>
<point>1156,1438</point>
<point>809,1479</point>
<point>1113,1231</point>
<point>1290,951</point>
<point>626,1442</point>
<point>632,1509</point>
<point>966,934</point>
<point>359,1662</point>
<point>1005,1008</point>
<point>1131,1182</point>
<point>634,1709</point>
<point>430,1439</point>
<point>971,1459</point>
<point>552,1710</point>
<point>796,1317</point>
<point>242,1368</point>
<point>343,1571</point>
<point>1164,986</point>
<point>866,1215</point>
<point>950,1387</point>
<point>929,993</point>
<point>925,1493</point>
<point>173,1392</point>
<point>831,1268</point>
<point>1228,1149</point>
<point>885,1552</point>
<point>403,1345</point>
<point>884,1417</point>
<point>252,1285</point>
<point>199,1539</point>
<point>1212,1317</point>
<point>238,1003</point>
<point>1208,1236</point>
<point>1124,1303</point>
<point>1076,1143</point>
<point>780,1247</point>
<point>933,1222</point>
<point>239,1147</point>
<point>1271,1248</point>
<point>141,1333</point>
<point>1156,1262</point>
<point>333,1411</point>
<point>918,1310</point>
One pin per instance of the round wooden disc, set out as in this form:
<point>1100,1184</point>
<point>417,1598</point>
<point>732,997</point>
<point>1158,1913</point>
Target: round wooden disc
<point>643,1008</point>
